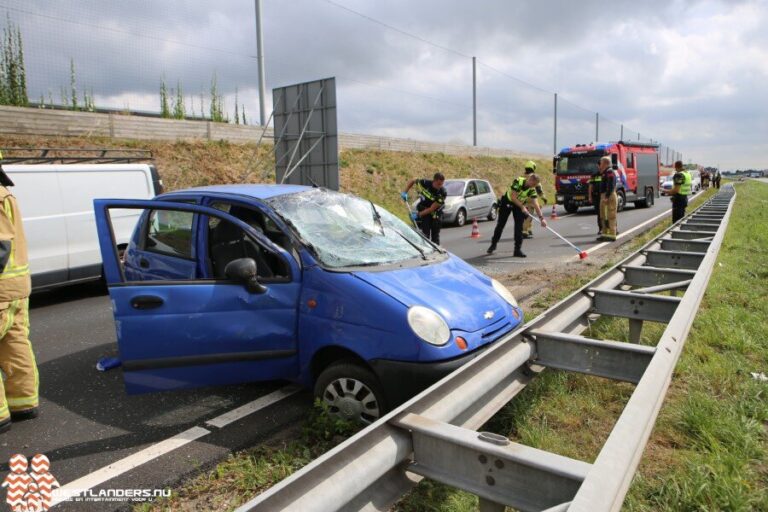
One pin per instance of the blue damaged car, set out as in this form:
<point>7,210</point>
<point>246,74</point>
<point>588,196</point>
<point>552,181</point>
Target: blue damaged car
<point>241,283</point>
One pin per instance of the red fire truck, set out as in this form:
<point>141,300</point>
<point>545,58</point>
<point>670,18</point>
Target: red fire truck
<point>637,164</point>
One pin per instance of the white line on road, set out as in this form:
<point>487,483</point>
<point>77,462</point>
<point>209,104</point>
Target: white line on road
<point>117,468</point>
<point>251,407</point>
<point>130,462</point>
<point>627,233</point>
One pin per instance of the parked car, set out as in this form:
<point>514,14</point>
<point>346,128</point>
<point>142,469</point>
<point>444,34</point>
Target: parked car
<point>469,199</point>
<point>56,203</point>
<point>238,283</point>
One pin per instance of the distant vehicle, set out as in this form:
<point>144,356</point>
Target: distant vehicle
<point>56,203</point>
<point>666,187</point>
<point>695,181</point>
<point>469,199</point>
<point>637,164</point>
<point>242,283</point>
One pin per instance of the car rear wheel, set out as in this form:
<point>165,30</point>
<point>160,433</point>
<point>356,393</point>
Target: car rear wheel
<point>351,392</point>
<point>493,213</point>
<point>461,217</point>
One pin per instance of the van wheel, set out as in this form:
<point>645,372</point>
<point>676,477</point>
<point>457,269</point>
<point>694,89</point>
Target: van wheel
<point>351,392</point>
<point>461,217</point>
<point>571,208</point>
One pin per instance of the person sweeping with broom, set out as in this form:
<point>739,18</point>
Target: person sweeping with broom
<point>513,203</point>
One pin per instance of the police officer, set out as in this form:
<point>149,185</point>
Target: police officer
<point>18,394</point>
<point>429,210</point>
<point>608,199</point>
<point>513,202</point>
<point>593,195</point>
<point>681,189</point>
<point>530,168</point>
<point>716,179</point>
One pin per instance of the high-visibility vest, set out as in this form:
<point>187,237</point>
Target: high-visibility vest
<point>685,188</point>
<point>15,282</point>
<point>518,188</point>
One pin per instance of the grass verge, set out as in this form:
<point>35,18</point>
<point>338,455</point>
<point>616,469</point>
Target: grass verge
<point>709,449</point>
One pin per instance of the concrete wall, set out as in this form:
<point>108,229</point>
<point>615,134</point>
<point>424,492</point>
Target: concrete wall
<point>41,122</point>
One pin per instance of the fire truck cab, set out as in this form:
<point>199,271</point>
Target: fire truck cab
<point>637,165</point>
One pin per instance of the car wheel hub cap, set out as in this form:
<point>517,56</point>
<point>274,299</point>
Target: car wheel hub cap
<point>352,400</point>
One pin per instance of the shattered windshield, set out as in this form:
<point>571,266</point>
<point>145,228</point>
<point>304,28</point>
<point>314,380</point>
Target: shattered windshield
<point>347,231</point>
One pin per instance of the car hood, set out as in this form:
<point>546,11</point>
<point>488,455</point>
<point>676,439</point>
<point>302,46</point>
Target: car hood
<point>462,295</point>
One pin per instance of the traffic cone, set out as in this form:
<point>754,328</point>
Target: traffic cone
<point>475,229</point>
<point>553,215</point>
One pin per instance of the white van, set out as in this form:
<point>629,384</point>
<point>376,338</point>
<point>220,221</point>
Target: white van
<point>56,203</point>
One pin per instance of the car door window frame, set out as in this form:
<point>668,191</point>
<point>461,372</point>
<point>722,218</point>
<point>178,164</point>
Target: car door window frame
<point>171,205</point>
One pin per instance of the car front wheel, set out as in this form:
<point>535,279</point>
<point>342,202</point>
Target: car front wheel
<point>461,217</point>
<point>351,392</point>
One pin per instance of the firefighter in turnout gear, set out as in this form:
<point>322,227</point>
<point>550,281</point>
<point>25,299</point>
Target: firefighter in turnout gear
<point>19,386</point>
<point>530,168</point>
<point>681,189</point>
<point>608,199</point>
<point>513,203</point>
<point>429,210</point>
<point>594,197</point>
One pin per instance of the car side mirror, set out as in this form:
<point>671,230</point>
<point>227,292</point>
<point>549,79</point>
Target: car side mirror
<point>244,270</point>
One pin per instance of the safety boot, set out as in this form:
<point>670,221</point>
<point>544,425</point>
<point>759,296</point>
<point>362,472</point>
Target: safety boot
<point>518,254</point>
<point>491,248</point>
<point>5,425</point>
<point>26,414</point>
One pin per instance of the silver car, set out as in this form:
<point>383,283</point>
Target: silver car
<point>469,199</point>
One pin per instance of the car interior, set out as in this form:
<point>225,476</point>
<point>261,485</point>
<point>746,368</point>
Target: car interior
<point>227,242</point>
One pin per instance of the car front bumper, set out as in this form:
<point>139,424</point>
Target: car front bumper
<point>402,380</point>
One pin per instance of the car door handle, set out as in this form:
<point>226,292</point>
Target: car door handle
<point>143,263</point>
<point>146,302</point>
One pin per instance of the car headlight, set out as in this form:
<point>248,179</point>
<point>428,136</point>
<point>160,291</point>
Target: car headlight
<point>428,325</point>
<point>504,292</point>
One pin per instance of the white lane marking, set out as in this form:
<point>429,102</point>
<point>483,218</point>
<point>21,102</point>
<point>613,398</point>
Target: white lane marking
<point>627,233</point>
<point>130,462</point>
<point>117,468</point>
<point>251,407</point>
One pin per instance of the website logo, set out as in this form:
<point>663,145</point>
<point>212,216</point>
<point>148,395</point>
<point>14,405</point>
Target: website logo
<point>33,491</point>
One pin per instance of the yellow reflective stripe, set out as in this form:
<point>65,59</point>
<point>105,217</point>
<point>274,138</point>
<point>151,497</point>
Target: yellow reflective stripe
<point>29,401</point>
<point>14,272</point>
<point>25,310</point>
<point>4,413</point>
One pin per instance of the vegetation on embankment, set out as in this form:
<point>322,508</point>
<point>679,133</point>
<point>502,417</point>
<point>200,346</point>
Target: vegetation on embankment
<point>373,174</point>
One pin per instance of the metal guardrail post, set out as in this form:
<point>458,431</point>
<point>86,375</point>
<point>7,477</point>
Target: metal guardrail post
<point>431,434</point>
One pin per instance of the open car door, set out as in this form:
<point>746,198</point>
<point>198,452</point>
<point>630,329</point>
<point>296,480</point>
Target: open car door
<point>181,321</point>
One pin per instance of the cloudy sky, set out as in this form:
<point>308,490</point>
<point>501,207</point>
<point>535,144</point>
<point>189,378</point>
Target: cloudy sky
<point>692,74</point>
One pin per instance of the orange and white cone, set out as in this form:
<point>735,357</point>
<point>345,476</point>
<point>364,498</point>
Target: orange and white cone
<point>475,229</point>
<point>553,215</point>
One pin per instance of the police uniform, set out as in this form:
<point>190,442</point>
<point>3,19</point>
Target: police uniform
<point>523,193</point>
<point>608,204</point>
<point>595,181</point>
<point>431,224</point>
<point>682,179</point>
<point>18,394</point>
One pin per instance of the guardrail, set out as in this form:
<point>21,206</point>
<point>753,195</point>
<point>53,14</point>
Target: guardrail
<point>432,435</point>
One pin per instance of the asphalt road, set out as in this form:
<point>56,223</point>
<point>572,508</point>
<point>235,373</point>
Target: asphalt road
<point>580,228</point>
<point>87,421</point>
<point>88,424</point>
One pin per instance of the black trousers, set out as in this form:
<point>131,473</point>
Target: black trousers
<point>679,203</point>
<point>505,210</point>
<point>431,226</point>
